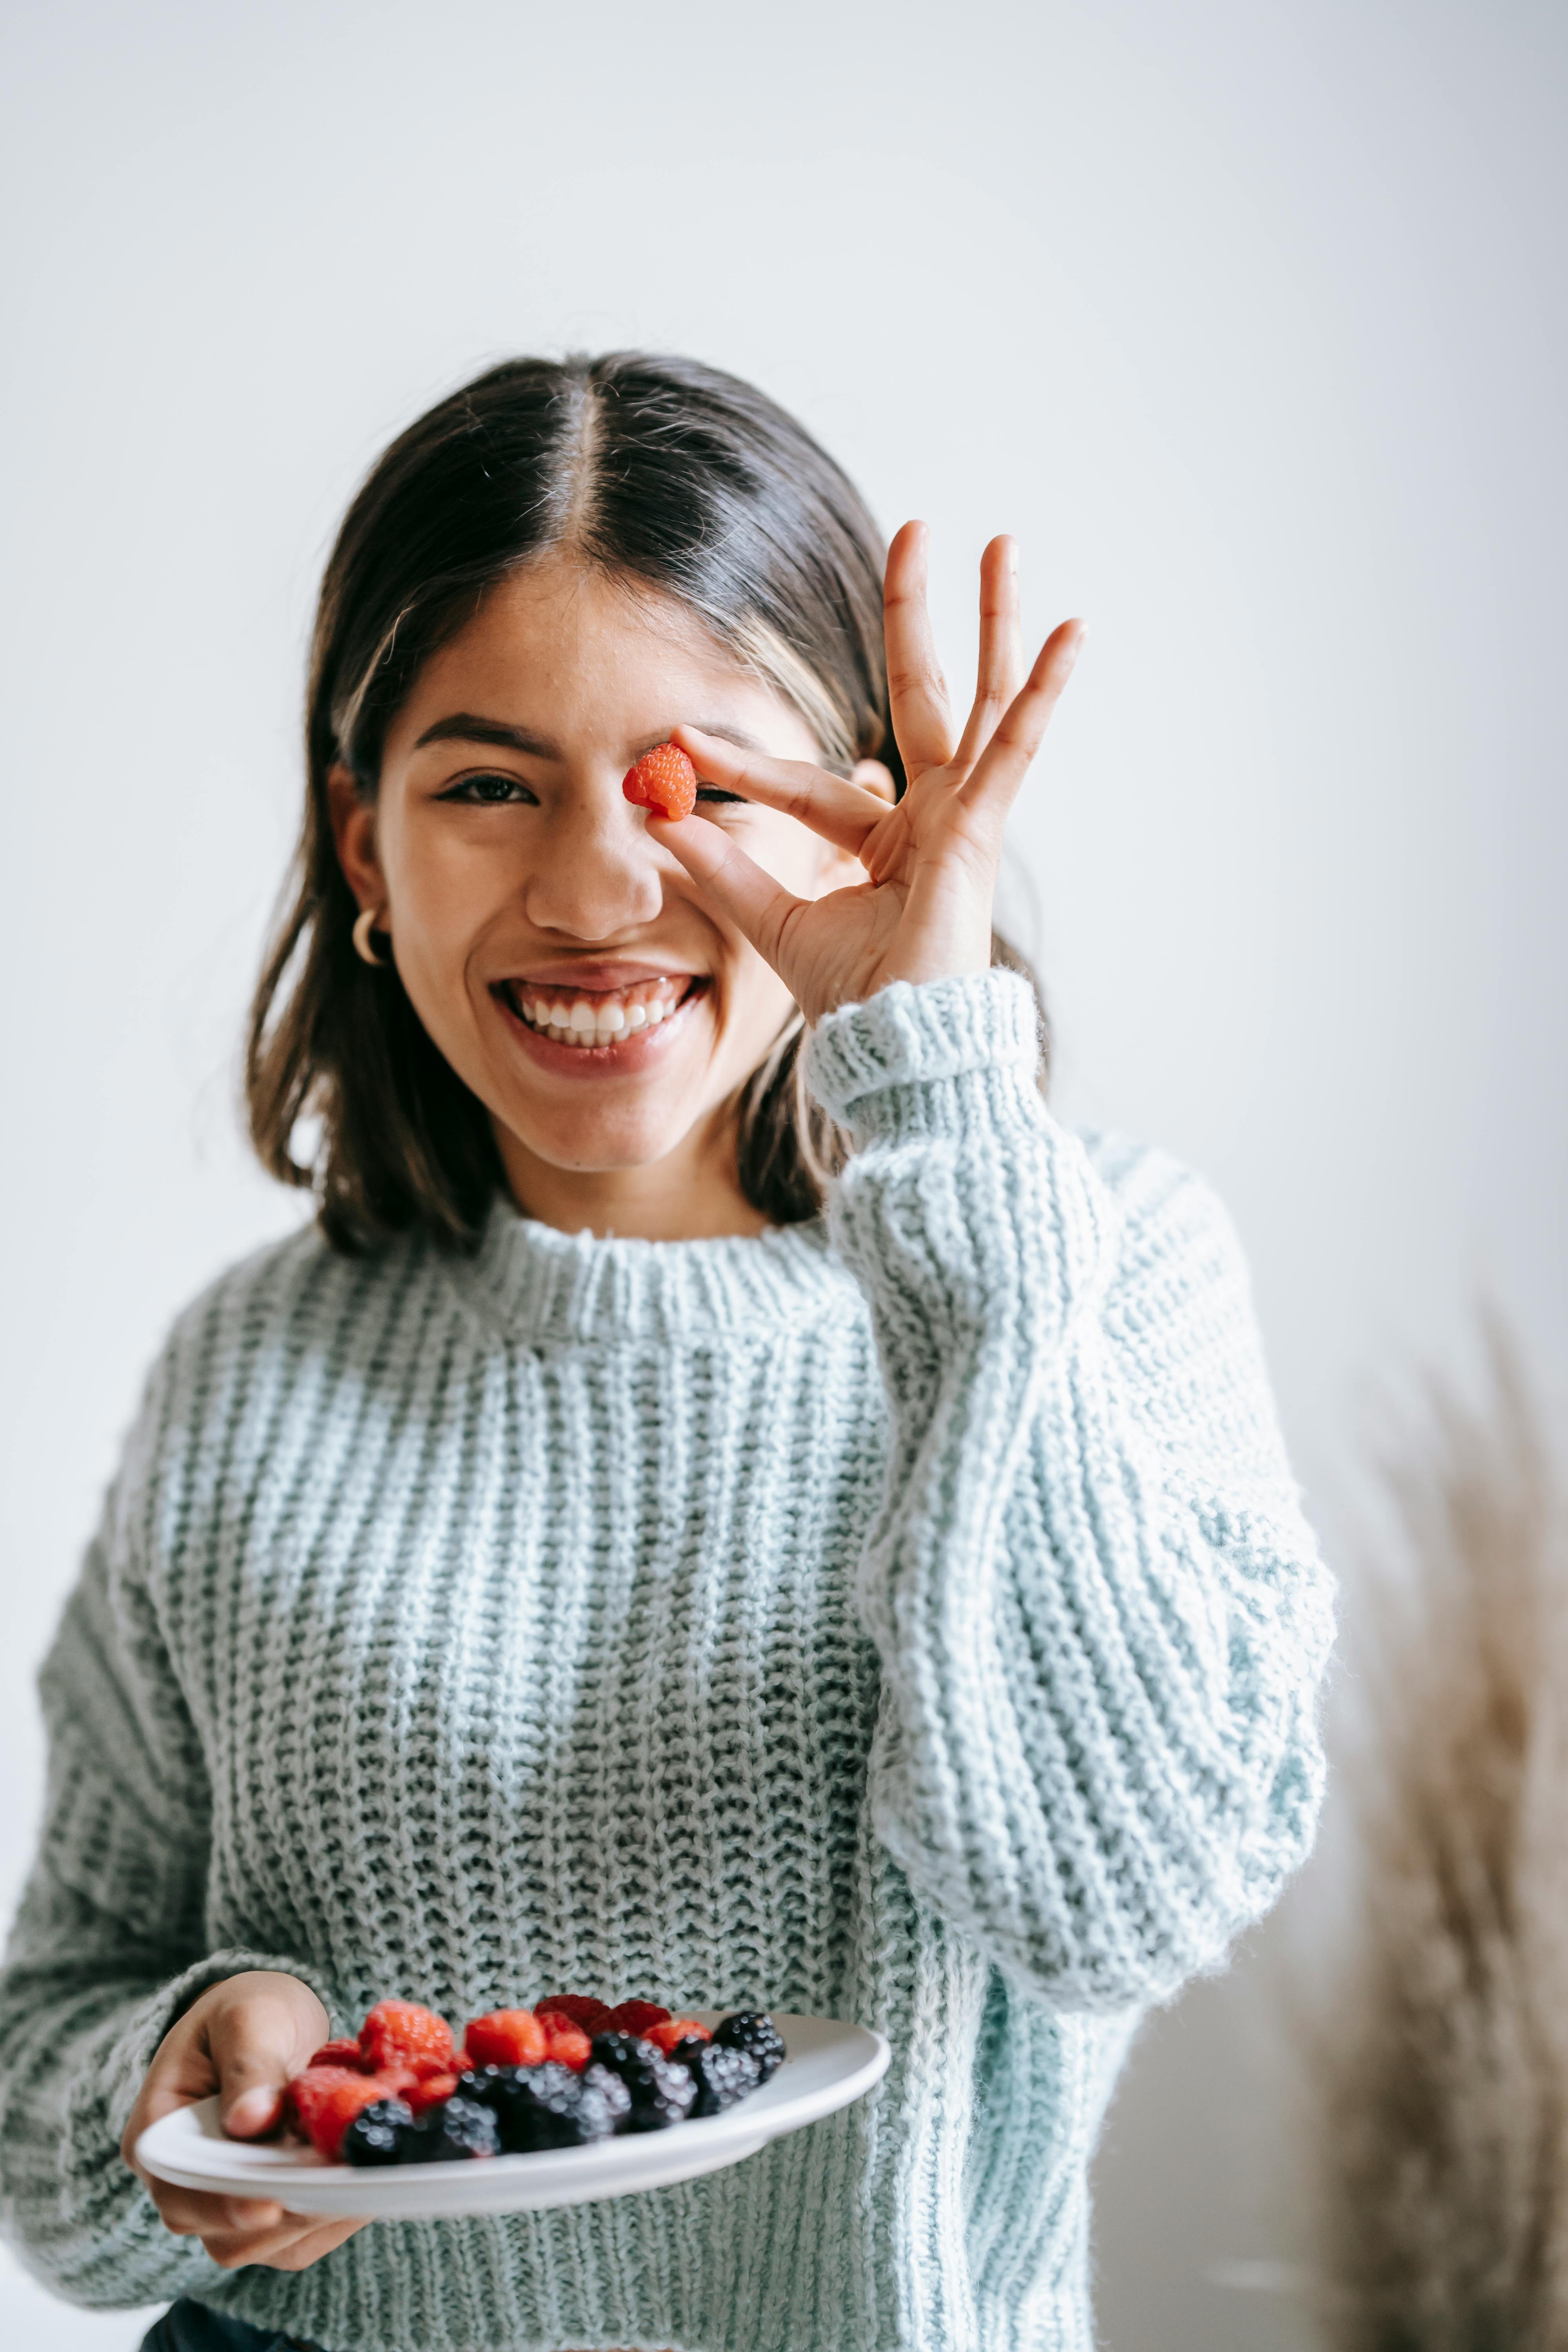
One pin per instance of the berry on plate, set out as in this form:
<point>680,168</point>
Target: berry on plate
<point>662,2093</point>
<point>664,779</point>
<point>401,2034</point>
<point>339,2054</point>
<point>753,2029</point>
<point>507,2037</point>
<point>722,2076</point>
<point>634,2017</point>
<point>326,2099</point>
<point>666,2031</point>
<point>550,2106</point>
<point>428,2090</point>
<point>581,2007</point>
<point>565,2044</point>
<point>375,2134</point>
<point>459,2127</point>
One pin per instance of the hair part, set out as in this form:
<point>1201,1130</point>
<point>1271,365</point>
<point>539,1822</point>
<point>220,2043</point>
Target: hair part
<point>660,471</point>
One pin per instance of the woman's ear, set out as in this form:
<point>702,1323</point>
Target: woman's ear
<point>354,832</point>
<point>840,867</point>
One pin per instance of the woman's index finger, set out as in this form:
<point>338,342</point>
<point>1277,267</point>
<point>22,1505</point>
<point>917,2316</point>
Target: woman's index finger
<point>842,813</point>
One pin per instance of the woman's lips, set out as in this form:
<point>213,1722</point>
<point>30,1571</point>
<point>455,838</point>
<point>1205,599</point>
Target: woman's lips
<point>666,1006</point>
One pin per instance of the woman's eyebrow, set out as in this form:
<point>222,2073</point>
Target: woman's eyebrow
<point>727,734</point>
<point>465,727</point>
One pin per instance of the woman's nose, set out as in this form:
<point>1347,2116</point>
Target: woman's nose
<point>598,873</point>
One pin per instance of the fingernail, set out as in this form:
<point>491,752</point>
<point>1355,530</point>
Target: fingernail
<point>252,2111</point>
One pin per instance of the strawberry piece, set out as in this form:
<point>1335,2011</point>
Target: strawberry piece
<point>507,2037</point>
<point>325,2101</point>
<point>664,779</point>
<point>338,2053</point>
<point>565,2043</point>
<point>401,2034</point>
<point>635,2017</point>
<point>591,2015</point>
<point>665,2034</point>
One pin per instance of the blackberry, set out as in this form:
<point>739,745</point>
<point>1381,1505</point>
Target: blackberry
<point>552,2107</point>
<point>486,2085</point>
<point>721,2075</point>
<point>753,2029</point>
<point>661,2092</point>
<point>375,2134</point>
<point>606,2102</point>
<point>443,2134</point>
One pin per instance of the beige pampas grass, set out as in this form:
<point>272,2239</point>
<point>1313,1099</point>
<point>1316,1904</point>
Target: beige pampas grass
<point>1441,2075</point>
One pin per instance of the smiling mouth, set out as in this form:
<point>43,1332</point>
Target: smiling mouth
<point>600,1016</point>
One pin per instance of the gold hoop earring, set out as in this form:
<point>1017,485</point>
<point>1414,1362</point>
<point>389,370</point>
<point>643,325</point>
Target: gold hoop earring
<point>362,929</point>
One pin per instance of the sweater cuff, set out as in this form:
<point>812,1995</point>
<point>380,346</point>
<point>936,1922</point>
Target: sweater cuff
<point>886,1067</point>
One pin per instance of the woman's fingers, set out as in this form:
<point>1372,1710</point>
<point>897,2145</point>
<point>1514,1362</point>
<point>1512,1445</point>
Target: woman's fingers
<point>917,690</point>
<point>1001,650</point>
<point>194,2214</point>
<point>236,2230</point>
<point>1020,731</point>
<point>844,813</point>
<point>294,2245</point>
<point>759,907</point>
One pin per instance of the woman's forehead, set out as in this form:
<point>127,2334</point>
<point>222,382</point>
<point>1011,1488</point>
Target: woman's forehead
<point>564,650</point>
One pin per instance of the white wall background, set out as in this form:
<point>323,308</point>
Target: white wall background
<point>1247,321</point>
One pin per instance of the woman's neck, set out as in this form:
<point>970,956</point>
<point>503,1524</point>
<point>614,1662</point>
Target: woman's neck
<point>693,1193</point>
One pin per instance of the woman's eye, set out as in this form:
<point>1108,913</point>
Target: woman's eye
<point>487,792</point>
<point>716,793</point>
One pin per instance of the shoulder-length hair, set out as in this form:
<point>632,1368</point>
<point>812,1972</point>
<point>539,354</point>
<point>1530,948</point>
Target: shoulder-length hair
<point>661,470</point>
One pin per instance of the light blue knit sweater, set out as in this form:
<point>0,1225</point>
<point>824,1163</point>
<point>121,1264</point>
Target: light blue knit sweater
<point>911,1620</point>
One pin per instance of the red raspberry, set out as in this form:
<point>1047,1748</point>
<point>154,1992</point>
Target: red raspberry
<point>326,2099</point>
<point>591,2015</point>
<point>635,2017</point>
<point>508,2037</point>
<point>672,2029</point>
<point>430,2091</point>
<point>401,2034</point>
<point>663,779</point>
<point>339,2054</point>
<point>566,2044</point>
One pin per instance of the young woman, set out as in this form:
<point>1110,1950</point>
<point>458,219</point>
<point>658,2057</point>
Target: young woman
<point>729,1502</point>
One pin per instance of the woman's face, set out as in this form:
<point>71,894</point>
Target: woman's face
<point>560,958</point>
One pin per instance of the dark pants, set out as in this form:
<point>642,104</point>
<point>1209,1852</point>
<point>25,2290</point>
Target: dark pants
<point>188,2326</point>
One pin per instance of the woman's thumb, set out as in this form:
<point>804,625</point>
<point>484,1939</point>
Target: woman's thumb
<point>253,2059</point>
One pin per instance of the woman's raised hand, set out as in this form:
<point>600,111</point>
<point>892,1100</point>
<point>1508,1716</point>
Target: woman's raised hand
<point>243,2039</point>
<point>924,910</point>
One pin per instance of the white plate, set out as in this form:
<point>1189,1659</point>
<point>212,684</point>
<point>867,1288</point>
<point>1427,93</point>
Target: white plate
<point>829,2065</point>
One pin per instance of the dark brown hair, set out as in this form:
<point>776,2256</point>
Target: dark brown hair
<point>660,470</point>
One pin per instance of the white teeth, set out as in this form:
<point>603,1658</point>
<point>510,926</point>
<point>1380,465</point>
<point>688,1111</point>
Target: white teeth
<point>601,1021</point>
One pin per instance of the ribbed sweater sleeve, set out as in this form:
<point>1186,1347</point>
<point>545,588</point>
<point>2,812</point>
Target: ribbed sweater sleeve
<point>1100,1614</point>
<point>108,1948</point>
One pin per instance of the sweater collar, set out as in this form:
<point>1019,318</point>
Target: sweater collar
<point>539,1284</point>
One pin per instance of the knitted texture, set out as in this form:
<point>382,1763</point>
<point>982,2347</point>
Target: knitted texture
<point>909,1619</point>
